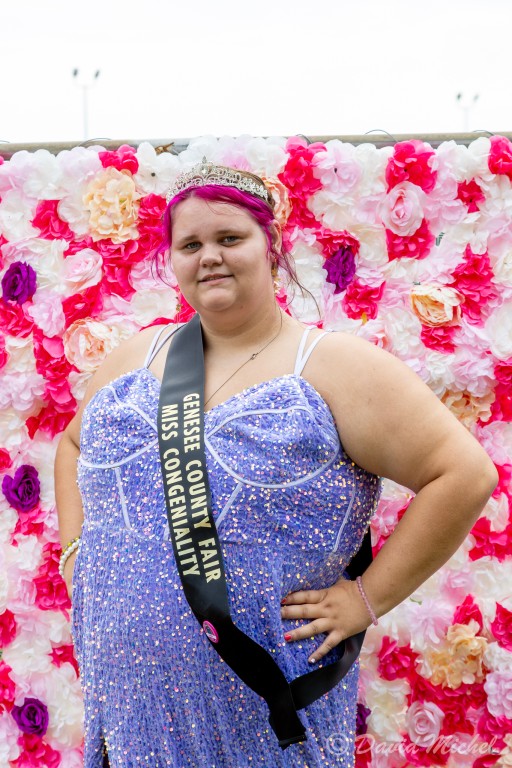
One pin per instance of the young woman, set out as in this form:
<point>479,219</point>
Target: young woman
<point>299,425</point>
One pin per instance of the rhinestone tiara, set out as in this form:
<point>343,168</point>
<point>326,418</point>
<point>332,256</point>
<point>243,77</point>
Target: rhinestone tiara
<point>209,173</point>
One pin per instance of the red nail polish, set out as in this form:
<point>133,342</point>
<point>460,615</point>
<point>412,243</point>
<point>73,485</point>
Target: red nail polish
<point>283,601</point>
<point>287,637</point>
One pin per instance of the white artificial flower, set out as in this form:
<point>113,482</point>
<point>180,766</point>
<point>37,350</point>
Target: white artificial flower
<point>9,734</point>
<point>388,704</point>
<point>372,256</point>
<point>430,620</point>
<point>496,658</point>
<point>496,439</point>
<point>47,313</point>
<point>403,331</point>
<point>499,330</point>
<point>157,172</point>
<point>12,429</point>
<point>439,371</point>
<point>310,272</point>
<point>497,512</point>
<point>147,306</point>
<point>267,157</point>
<point>16,213</point>
<point>78,381</point>
<point>26,556</point>
<point>60,690</point>
<point>28,653</point>
<point>22,391</point>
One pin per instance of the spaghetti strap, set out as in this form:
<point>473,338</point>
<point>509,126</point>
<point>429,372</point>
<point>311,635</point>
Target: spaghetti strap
<point>158,342</point>
<point>303,357</point>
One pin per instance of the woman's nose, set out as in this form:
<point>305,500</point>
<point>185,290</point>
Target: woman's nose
<point>211,253</point>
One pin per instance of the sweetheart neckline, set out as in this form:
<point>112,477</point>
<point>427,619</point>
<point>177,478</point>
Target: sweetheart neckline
<point>242,393</point>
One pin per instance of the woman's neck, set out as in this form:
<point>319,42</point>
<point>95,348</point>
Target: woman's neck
<point>240,333</point>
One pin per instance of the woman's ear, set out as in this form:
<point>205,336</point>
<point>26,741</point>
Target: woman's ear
<point>277,236</point>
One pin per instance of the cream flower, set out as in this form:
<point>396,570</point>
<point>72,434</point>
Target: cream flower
<point>459,659</point>
<point>467,408</point>
<point>112,201</point>
<point>87,342</point>
<point>436,305</point>
<point>282,205</point>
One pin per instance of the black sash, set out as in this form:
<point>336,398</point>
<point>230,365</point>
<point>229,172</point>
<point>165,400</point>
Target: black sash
<point>198,553</point>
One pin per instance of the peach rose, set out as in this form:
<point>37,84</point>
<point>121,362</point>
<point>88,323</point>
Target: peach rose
<point>467,408</point>
<point>460,660</point>
<point>436,304</point>
<point>282,205</point>
<point>112,201</point>
<point>87,342</point>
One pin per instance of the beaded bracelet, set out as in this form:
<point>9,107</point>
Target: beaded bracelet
<point>370,610</point>
<point>68,550</point>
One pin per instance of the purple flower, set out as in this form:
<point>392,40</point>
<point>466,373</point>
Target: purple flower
<point>31,717</point>
<point>22,491</point>
<point>362,716</point>
<point>341,268</point>
<point>19,282</point>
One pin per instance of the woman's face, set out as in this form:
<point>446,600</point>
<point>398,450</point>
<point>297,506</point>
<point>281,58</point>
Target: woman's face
<point>219,256</point>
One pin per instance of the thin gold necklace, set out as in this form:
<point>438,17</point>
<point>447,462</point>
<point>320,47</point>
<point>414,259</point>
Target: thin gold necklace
<point>254,355</point>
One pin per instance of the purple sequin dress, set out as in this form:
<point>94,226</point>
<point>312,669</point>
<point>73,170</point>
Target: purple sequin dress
<point>291,509</point>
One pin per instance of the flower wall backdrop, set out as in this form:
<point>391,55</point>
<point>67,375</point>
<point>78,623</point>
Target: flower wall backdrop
<point>407,246</point>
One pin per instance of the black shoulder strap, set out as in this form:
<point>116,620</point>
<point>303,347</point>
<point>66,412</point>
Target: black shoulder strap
<point>198,552</point>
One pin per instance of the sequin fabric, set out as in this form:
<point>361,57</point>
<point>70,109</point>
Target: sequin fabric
<point>291,509</point>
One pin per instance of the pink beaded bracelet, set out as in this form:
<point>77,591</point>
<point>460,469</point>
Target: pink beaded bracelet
<point>370,610</point>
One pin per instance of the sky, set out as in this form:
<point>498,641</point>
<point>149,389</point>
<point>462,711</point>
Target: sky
<point>173,69</point>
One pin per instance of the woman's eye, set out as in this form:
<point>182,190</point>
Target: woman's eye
<point>230,238</point>
<point>191,246</point>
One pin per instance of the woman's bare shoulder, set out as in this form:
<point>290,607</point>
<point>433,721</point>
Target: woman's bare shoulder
<point>128,356</point>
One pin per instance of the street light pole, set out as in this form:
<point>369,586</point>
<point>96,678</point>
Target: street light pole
<point>466,106</point>
<point>85,85</point>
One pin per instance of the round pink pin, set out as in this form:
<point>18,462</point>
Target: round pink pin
<point>210,632</point>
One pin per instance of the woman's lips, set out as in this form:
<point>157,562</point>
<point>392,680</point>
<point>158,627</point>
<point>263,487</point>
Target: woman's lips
<point>214,278</point>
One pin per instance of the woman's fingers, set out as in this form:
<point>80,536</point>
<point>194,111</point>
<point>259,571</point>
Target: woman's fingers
<point>305,596</point>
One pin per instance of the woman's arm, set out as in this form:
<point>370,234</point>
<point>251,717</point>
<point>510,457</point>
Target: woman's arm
<point>67,495</point>
<point>391,424</point>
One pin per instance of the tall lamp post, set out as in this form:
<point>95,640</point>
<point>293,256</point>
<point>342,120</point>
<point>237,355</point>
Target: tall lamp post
<point>85,85</point>
<point>466,105</point>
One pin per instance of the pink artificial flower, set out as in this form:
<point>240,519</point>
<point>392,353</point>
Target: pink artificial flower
<point>412,161</point>
<point>51,591</point>
<point>78,245</point>
<point>3,353</point>
<point>5,460</point>
<point>13,320</point>
<point>361,301</point>
<point>115,280</point>
<point>469,611</point>
<point>47,220</point>
<point>32,523</point>
<point>473,278</point>
<point>501,627</point>
<point>424,720</point>
<point>492,729</point>
<point>82,305</point>
<point>471,195</point>
<point>83,269</point>
<point>51,361</point>
<point>65,654</point>
<point>36,753</point>
<point>439,337</point>
<point>54,417</point>
<point>123,159</point>
<point>394,660</point>
<point>416,246</point>
<point>331,242</point>
<point>7,688</point>
<point>498,687</point>
<point>501,408</point>
<point>504,480</point>
<point>8,627</point>
<point>299,177</point>
<point>500,156</point>
<point>490,543</point>
<point>401,211</point>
